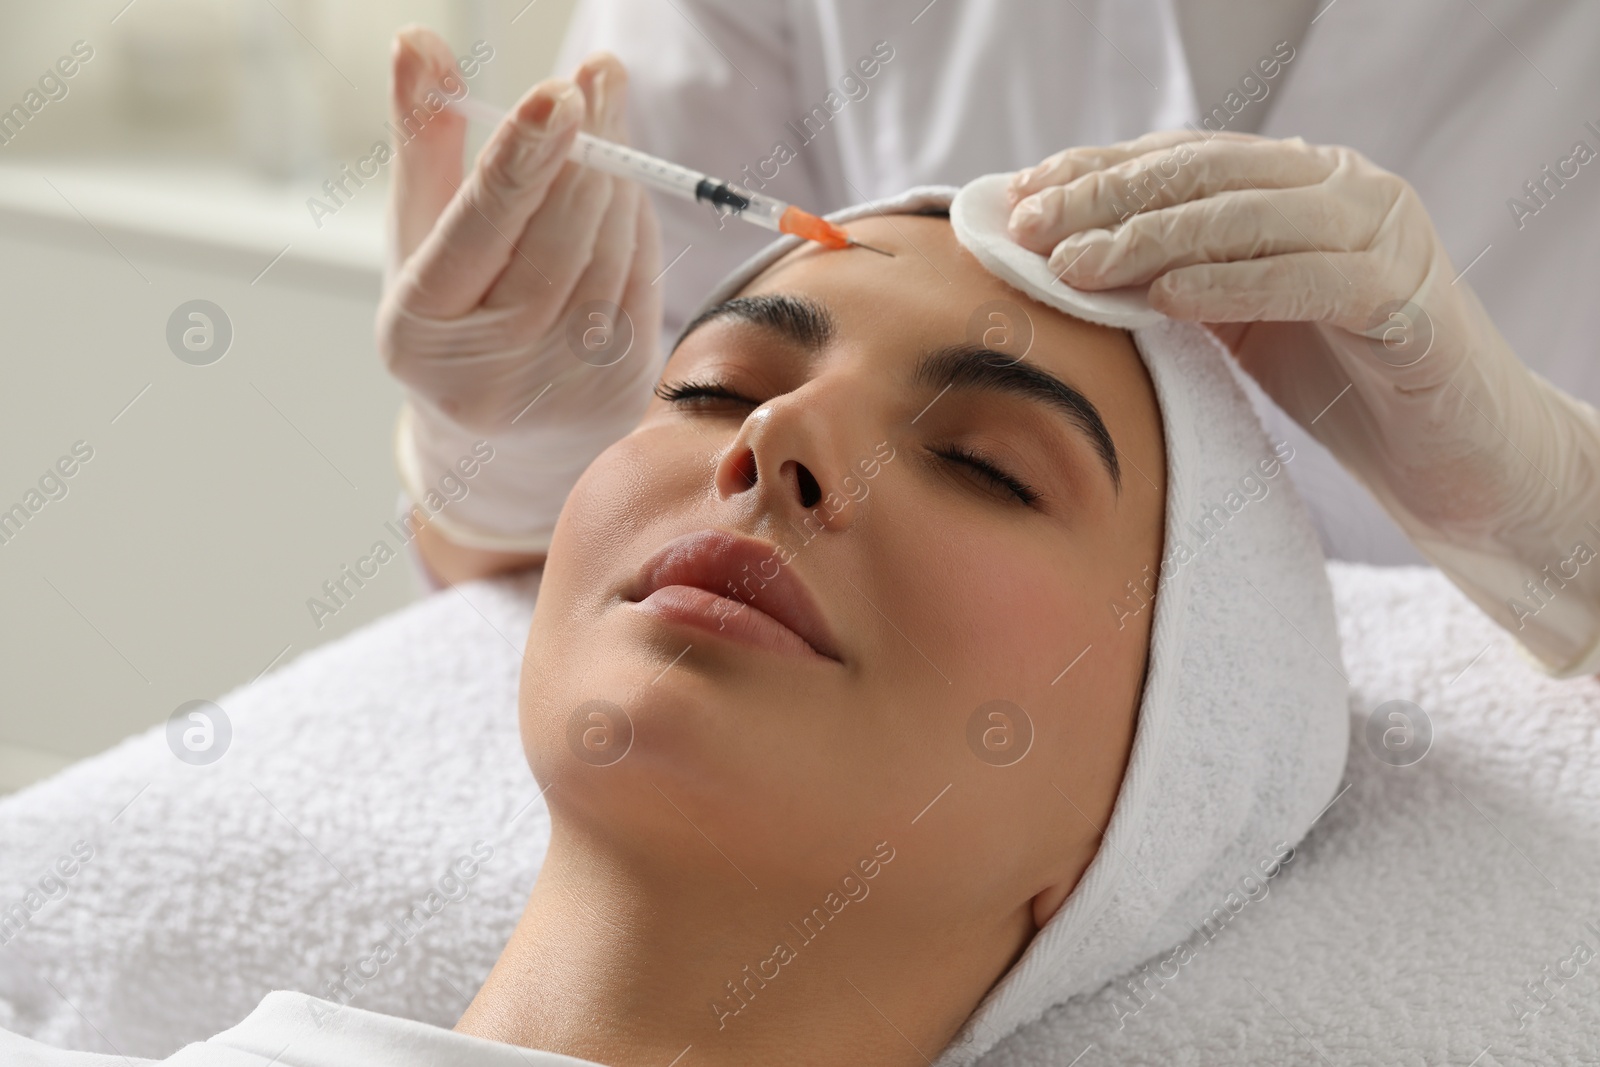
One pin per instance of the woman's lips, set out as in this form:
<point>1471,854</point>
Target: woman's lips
<point>720,615</point>
<point>734,586</point>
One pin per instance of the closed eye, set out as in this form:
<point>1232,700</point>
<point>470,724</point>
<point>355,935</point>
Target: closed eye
<point>695,394</point>
<point>989,472</point>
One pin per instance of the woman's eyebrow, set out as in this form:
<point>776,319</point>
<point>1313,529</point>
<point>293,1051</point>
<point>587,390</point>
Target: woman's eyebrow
<point>798,319</point>
<point>969,366</point>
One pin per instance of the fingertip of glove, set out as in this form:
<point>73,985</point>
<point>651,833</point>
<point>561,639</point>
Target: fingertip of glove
<point>1020,185</point>
<point>549,106</point>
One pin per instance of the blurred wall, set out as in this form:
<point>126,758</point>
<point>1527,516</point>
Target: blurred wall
<point>176,560</point>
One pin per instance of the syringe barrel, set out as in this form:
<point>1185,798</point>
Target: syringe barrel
<point>627,162</point>
<point>725,197</point>
<point>763,210</point>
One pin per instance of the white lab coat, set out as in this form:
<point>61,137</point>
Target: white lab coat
<point>296,1030</point>
<point>1467,101</point>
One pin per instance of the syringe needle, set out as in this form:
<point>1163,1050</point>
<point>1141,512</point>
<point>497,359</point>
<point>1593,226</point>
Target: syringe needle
<point>869,248</point>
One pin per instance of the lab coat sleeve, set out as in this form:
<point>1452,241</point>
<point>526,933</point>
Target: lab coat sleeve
<point>711,86</point>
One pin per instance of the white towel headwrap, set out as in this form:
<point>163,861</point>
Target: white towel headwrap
<point>1242,729</point>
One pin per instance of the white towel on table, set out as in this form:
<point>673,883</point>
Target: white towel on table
<point>1406,929</point>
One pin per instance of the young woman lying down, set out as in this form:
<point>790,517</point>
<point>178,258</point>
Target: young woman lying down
<point>925,656</point>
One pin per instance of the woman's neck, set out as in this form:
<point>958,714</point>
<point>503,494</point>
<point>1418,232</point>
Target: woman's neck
<point>627,966</point>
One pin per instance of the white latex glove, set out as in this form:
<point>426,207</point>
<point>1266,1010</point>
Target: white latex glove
<point>518,306</point>
<point>1323,274</point>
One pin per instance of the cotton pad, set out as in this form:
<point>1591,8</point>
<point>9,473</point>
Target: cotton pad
<point>979,214</point>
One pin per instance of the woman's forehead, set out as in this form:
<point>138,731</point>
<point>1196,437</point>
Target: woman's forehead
<point>931,284</point>
<point>934,292</point>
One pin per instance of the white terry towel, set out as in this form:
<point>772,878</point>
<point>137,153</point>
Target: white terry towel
<point>1405,930</point>
<point>1241,734</point>
<point>357,778</point>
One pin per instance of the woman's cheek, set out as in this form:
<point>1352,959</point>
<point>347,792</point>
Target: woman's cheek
<point>621,492</point>
<point>1019,617</point>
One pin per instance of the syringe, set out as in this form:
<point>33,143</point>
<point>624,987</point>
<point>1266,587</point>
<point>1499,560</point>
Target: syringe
<point>725,197</point>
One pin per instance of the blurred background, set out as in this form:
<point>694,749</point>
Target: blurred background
<point>224,487</point>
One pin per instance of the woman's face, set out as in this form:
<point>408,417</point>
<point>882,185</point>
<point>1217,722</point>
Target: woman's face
<point>938,529</point>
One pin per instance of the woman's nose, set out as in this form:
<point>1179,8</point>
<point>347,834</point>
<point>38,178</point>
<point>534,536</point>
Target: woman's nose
<point>785,456</point>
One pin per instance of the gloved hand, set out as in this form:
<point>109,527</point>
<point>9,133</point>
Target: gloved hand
<point>518,306</point>
<point>1323,274</point>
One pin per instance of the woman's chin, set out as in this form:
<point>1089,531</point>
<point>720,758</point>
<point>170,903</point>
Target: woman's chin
<point>613,739</point>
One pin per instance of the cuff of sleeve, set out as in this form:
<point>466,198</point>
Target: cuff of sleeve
<point>1587,663</point>
<point>414,485</point>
